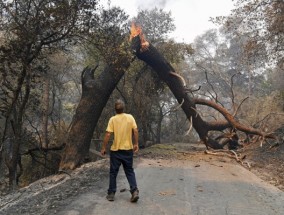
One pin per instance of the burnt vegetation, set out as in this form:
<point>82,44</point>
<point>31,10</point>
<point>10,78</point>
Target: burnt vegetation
<point>63,63</point>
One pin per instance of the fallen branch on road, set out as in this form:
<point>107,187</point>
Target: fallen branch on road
<point>230,154</point>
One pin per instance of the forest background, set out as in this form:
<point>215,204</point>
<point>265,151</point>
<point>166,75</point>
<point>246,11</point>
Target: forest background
<point>45,45</point>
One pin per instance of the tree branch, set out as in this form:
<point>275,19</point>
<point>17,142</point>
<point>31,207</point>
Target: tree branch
<point>230,118</point>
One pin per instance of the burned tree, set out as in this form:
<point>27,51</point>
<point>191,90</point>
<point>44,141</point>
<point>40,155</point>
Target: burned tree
<point>31,30</point>
<point>97,87</point>
<point>95,94</point>
<point>148,53</point>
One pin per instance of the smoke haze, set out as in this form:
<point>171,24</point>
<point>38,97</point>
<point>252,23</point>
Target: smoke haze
<point>150,4</point>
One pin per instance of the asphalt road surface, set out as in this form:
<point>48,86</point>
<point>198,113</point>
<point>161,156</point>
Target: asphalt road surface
<point>184,187</point>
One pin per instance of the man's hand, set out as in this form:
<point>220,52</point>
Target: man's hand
<point>103,151</point>
<point>135,148</point>
<point>106,139</point>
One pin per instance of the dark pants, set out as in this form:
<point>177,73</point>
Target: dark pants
<point>124,157</point>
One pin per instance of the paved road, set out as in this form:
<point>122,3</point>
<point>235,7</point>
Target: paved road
<point>183,187</point>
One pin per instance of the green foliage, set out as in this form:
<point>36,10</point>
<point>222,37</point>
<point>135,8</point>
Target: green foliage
<point>109,37</point>
<point>260,25</point>
<point>156,24</point>
<point>175,52</point>
<point>30,30</point>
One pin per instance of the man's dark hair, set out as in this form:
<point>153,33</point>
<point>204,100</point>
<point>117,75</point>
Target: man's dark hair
<point>119,106</point>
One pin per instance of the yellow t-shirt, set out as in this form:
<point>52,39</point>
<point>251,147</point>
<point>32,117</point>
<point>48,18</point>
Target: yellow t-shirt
<point>121,125</point>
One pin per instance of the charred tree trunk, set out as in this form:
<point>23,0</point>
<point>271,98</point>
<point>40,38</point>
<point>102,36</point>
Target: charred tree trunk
<point>45,112</point>
<point>167,73</point>
<point>13,130</point>
<point>11,148</point>
<point>95,94</point>
<point>159,125</point>
<point>149,54</point>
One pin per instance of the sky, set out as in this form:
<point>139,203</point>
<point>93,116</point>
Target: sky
<point>191,17</point>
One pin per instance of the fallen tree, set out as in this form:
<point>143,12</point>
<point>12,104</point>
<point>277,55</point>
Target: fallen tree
<point>146,52</point>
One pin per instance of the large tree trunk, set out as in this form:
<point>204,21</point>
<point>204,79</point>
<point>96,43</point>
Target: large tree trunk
<point>95,94</point>
<point>149,54</point>
<point>167,73</point>
<point>159,125</point>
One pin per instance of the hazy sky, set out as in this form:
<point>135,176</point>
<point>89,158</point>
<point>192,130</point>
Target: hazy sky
<point>191,16</point>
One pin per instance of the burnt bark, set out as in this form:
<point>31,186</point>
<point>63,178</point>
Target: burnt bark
<point>13,128</point>
<point>11,146</point>
<point>166,72</point>
<point>95,94</point>
<point>45,112</point>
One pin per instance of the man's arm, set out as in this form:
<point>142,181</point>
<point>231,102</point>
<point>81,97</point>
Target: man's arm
<point>135,145</point>
<point>105,142</point>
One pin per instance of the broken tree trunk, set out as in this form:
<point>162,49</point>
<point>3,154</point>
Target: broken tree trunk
<point>95,94</point>
<point>167,73</point>
<point>149,54</point>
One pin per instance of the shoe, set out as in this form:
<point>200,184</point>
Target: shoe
<point>110,196</point>
<point>135,196</point>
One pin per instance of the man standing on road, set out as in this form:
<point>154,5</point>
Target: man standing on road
<point>121,152</point>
